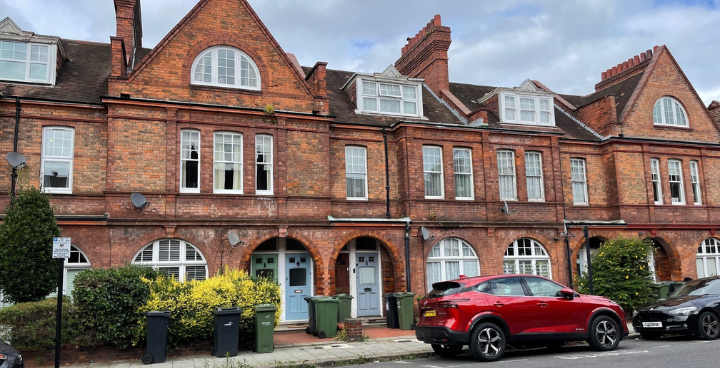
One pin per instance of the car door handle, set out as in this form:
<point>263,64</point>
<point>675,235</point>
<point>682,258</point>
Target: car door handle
<point>498,304</point>
<point>542,304</point>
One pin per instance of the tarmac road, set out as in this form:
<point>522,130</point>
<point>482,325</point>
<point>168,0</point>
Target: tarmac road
<point>666,352</point>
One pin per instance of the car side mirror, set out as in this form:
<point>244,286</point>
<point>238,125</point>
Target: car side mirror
<point>567,293</point>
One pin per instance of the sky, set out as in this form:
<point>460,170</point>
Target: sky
<point>565,44</point>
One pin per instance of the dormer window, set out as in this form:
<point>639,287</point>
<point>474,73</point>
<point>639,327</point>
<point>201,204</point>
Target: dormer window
<point>525,109</point>
<point>389,98</point>
<point>669,111</point>
<point>27,62</point>
<point>223,66</point>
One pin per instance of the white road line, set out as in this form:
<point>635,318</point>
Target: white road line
<point>512,361</point>
<point>661,346</point>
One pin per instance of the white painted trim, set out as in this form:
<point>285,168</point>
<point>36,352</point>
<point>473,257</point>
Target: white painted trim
<point>367,194</point>
<point>518,110</point>
<point>472,176</point>
<point>199,160</point>
<point>270,190</point>
<point>70,160</point>
<point>242,168</point>
<point>442,172</point>
<point>214,72</point>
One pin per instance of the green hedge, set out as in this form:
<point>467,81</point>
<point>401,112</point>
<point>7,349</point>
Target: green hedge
<point>107,304</point>
<point>192,304</point>
<point>32,325</point>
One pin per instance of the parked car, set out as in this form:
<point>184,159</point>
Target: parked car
<point>692,309</point>
<point>9,357</point>
<point>489,312</point>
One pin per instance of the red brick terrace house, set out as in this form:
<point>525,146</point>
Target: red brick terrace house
<point>327,177</point>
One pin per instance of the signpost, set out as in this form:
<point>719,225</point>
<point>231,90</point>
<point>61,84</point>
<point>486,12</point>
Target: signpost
<point>61,251</point>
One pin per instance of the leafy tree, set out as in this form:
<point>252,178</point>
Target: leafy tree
<point>620,272</point>
<point>28,273</point>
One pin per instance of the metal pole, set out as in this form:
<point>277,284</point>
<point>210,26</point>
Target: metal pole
<point>17,122</point>
<point>58,325</point>
<point>569,254</point>
<point>407,255</point>
<point>589,263</point>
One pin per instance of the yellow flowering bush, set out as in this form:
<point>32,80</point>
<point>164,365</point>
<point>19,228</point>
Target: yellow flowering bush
<point>192,304</point>
<point>620,272</point>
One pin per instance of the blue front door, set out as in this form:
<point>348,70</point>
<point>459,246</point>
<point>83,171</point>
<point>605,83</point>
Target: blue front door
<point>297,285</point>
<point>368,286</point>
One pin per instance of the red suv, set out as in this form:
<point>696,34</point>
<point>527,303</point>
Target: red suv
<point>489,312</point>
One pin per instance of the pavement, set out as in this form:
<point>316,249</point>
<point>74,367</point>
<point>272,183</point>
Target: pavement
<point>297,349</point>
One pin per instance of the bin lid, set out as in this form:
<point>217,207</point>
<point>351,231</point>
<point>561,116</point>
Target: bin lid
<point>344,296</point>
<point>165,314</point>
<point>404,295</point>
<point>265,308</point>
<point>326,299</point>
<point>227,310</point>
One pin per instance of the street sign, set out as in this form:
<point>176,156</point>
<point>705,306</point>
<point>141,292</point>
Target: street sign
<point>61,248</point>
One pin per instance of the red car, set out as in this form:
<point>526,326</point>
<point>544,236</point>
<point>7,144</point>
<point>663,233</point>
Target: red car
<point>488,312</point>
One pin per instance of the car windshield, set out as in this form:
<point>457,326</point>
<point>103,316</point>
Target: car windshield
<point>699,287</point>
<point>444,288</point>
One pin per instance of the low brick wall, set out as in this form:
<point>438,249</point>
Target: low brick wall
<point>70,354</point>
<point>353,327</point>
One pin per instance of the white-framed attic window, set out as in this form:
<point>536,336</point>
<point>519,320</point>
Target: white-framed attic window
<point>388,98</point>
<point>517,108</point>
<point>27,62</point>
<point>223,66</point>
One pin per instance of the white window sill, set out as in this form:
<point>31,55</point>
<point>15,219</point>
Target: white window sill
<point>434,197</point>
<point>464,198</point>
<point>57,190</point>
<point>264,193</point>
<point>356,199</point>
<point>581,204</point>
<point>672,126</point>
<point>224,86</point>
<point>527,123</point>
<point>191,191</point>
<point>536,200</point>
<point>227,191</point>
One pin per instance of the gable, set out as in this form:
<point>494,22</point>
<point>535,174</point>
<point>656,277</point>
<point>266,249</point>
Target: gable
<point>663,77</point>
<point>165,74</point>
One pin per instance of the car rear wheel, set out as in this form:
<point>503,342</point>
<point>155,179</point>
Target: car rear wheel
<point>447,351</point>
<point>708,329</point>
<point>487,342</point>
<point>604,333</point>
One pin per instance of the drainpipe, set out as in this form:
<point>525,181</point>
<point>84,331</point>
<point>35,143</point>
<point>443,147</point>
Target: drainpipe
<point>569,255</point>
<point>387,179</point>
<point>407,254</point>
<point>17,122</point>
<point>589,264</point>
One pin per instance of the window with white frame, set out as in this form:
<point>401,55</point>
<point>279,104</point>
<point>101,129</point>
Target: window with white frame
<point>677,190</point>
<point>533,110</point>
<point>462,164</point>
<point>656,185</point>
<point>27,62</point>
<point>77,263</point>
<point>356,173</point>
<point>228,163</point>
<point>708,258</point>
<point>57,159</point>
<point>189,161</point>
<point>526,256</point>
<point>177,258</point>
<point>389,98</point>
<point>669,111</point>
<point>224,66</point>
<point>533,173</point>
<point>695,181</point>
<point>263,164</point>
<point>506,175</point>
<point>579,181</point>
<point>433,170</point>
<point>449,259</point>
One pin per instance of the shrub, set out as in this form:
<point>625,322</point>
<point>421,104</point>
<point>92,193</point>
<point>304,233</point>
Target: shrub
<point>108,302</point>
<point>192,304</point>
<point>620,272</point>
<point>32,325</point>
<point>26,236</point>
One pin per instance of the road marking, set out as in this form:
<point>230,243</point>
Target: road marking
<point>661,346</point>
<point>512,361</point>
<point>402,362</point>
<point>703,342</point>
<point>600,355</point>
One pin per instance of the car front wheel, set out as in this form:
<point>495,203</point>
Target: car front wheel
<point>709,329</point>
<point>488,342</point>
<point>447,351</point>
<point>604,333</point>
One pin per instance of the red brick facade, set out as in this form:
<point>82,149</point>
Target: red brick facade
<point>130,142</point>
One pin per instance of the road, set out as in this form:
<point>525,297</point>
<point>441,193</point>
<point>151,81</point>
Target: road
<point>666,352</point>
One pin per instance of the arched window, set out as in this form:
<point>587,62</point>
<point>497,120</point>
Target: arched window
<point>669,111</point>
<point>176,257</point>
<point>708,258</point>
<point>224,66</point>
<point>449,259</point>
<point>77,263</point>
<point>526,256</point>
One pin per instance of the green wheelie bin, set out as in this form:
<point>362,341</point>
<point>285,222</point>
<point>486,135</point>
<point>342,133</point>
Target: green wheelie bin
<point>406,315</point>
<point>264,328</point>
<point>344,307</point>
<point>311,330</point>
<point>326,311</point>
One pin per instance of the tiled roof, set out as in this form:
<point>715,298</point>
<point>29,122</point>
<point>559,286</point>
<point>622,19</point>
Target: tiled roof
<point>622,92</point>
<point>344,109</point>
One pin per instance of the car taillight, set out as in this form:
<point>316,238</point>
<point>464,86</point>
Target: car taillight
<point>446,305</point>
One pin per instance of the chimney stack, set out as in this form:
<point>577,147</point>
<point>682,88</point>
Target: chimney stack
<point>129,27</point>
<point>425,55</point>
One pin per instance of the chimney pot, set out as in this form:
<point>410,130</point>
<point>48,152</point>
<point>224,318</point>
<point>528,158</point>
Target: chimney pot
<point>436,20</point>
<point>649,54</point>
<point>631,63</point>
<point>642,57</point>
<point>655,48</point>
<point>636,59</point>
<point>626,65</point>
<point>614,70</point>
<point>603,75</point>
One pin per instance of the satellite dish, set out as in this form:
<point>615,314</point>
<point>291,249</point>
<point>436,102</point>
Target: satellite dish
<point>425,233</point>
<point>16,160</point>
<point>233,238</point>
<point>138,200</point>
<point>505,208</point>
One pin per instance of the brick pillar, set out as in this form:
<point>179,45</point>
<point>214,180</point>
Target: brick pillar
<point>353,327</point>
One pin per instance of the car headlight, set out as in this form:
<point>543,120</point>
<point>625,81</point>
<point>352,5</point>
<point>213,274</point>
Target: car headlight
<point>683,311</point>
<point>635,313</point>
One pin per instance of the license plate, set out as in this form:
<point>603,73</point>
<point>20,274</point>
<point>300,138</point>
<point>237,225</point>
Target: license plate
<point>652,324</point>
<point>430,313</point>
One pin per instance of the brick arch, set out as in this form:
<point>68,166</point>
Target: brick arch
<point>542,240</point>
<point>203,249</point>
<point>673,255</point>
<point>226,40</point>
<point>395,255</point>
<point>578,244</point>
<point>473,246</point>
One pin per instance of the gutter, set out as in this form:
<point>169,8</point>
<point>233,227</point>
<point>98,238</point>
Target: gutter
<point>98,218</point>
